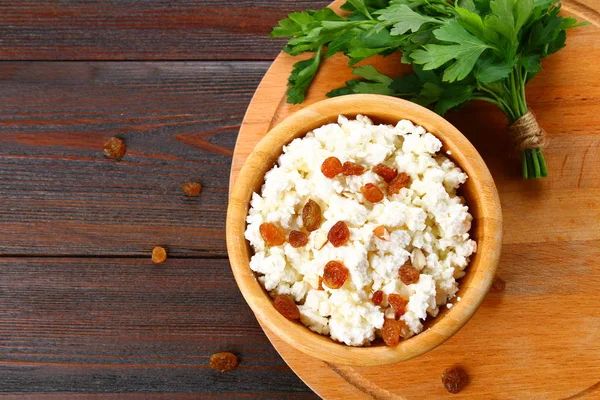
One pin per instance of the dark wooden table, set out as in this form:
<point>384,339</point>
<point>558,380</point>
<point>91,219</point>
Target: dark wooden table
<point>83,310</point>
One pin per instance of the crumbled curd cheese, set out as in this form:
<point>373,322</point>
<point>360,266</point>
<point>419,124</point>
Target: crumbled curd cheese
<point>427,215</point>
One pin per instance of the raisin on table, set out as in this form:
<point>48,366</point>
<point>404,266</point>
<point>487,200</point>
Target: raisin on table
<point>498,285</point>
<point>159,255</point>
<point>191,188</point>
<point>115,148</point>
<point>454,379</point>
<point>224,361</point>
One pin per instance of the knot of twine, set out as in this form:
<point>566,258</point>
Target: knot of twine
<point>527,134</point>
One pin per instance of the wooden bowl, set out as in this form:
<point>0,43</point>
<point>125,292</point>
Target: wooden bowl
<point>479,191</point>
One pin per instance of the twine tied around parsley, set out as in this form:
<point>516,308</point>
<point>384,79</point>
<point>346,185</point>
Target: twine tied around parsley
<point>527,133</point>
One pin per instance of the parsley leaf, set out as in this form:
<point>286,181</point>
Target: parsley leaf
<point>403,19</point>
<point>375,83</point>
<point>466,51</point>
<point>301,77</point>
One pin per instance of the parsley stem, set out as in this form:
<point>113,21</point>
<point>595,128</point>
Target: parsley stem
<point>536,163</point>
<point>498,100</point>
<point>530,166</point>
<point>524,170</point>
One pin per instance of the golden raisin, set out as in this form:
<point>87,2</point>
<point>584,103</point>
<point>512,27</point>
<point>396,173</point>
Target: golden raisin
<point>159,255</point>
<point>298,239</point>
<point>454,379</point>
<point>350,168</point>
<point>382,233</point>
<point>335,274</point>
<point>311,216</point>
<point>391,330</point>
<point>377,297</point>
<point>387,173</point>
<point>271,234</point>
<point>399,182</point>
<point>372,193</point>
<point>331,167</point>
<point>224,361</point>
<point>320,287</point>
<point>191,188</point>
<point>338,234</point>
<point>498,285</point>
<point>398,303</point>
<point>408,274</point>
<point>286,306</point>
<point>115,148</point>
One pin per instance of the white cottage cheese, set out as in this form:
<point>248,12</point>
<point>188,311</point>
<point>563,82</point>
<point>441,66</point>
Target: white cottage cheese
<point>427,215</point>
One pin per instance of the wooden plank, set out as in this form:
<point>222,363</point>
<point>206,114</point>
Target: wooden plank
<point>113,325</point>
<point>142,30</point>
<point>61,196</point>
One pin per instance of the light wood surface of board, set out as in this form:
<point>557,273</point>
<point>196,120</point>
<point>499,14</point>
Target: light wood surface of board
<point>540,338</point>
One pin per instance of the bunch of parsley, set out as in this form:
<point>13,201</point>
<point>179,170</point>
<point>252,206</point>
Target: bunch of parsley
<point>461,50</point>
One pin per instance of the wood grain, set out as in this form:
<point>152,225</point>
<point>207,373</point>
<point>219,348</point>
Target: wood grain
<point>126,325</point>
<point>61,196</point>
<point>142,29</point>
<point>539,339</point>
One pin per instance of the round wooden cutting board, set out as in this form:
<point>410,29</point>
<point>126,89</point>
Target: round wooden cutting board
<point>540,338</point>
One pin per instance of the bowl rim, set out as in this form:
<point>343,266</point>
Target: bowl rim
<point>265,155</point>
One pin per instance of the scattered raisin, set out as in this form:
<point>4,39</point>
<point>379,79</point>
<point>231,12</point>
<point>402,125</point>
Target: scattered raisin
<point>331,167</point>
<point>498,285</point>
<point>391,330</point>
<point>224,361</point>
<point>286,306</point>
<point>338,234</point>
<point>159,255</point>
<point>191,188</point>
<point>408,274</point>
<point>454,379</point>
<point>399,304</point>
<point>311,216</point>
<point>298,239</point>
<point>372,193</point>
<point>387,173</point>
<point>399,182</point>
<point>335,274</point>
<point>271,234</point>
<point>350,168</point>
<point>115,148</point>
<point>377,297</point>
<point>382,233</point>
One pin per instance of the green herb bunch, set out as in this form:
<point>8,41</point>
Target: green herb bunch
<point>461,50</point>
